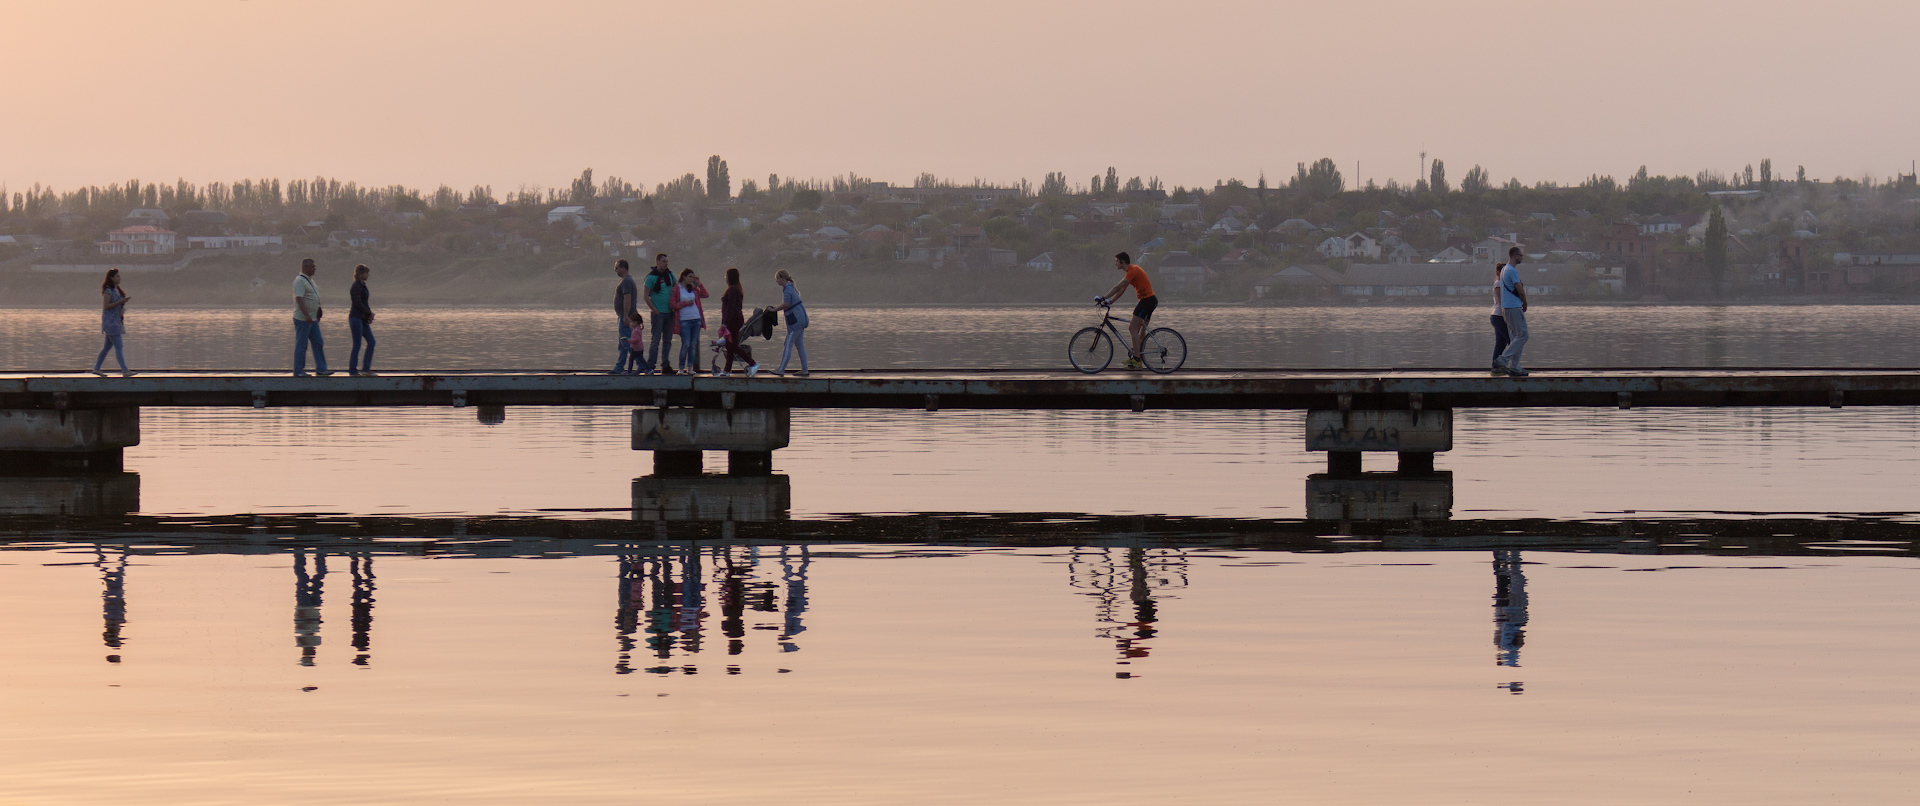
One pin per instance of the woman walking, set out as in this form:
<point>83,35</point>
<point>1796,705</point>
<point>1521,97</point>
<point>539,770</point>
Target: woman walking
<point>796,322</point>
<point>360,322</point>
<point>692,317</point>
<point>733,320</point>
<point>113,313</point>
<point>1500,337</point>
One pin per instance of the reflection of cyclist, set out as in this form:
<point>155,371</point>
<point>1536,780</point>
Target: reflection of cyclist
<point>1142,311</point>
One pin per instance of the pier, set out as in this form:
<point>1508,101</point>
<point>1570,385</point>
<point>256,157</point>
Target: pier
<point>88,421</point>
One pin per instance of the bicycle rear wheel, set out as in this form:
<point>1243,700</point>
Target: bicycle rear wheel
<point>1165,350</point>
<point>1090,350</point>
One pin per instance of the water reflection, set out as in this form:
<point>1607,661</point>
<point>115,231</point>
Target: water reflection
<point>663,593</point>
<point>1125,585</point>
<point>1509,607</point>
<point>714,589</point>
<point>80,494</point>
<point>113,596</point>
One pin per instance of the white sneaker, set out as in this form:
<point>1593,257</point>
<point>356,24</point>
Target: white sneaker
<point>753,370</point>
<point>722,374</point>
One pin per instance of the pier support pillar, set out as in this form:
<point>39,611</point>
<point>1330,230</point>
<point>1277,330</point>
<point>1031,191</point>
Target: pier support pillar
<point>1343,463</point>
<point>677,463</point>
<point>67,439</point>
<point>1416,463</point>
<point>749,463</point>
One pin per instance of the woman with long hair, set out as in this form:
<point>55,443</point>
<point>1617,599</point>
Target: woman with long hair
<point>113,316</point>
<point>692,316</point>
<point>796,322</point>
<point>733,319</point>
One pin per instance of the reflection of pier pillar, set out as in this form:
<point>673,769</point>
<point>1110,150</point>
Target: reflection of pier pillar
<point>1509,607</point>
<point>86,493</point>
<point>1381,497</point>
<point>68,439</point>
<point>712,498</point>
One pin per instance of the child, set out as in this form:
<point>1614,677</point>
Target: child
<point>637,344</point>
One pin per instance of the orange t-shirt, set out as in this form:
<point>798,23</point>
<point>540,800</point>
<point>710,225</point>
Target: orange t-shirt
<point>1137,277</point>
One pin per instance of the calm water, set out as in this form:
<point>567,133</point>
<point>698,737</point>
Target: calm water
<point>403,606</point>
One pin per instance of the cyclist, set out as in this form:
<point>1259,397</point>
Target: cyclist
<point>1142,310</point>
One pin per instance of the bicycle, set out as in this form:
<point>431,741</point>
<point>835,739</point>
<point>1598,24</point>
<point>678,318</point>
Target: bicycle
<point>1091,349</point>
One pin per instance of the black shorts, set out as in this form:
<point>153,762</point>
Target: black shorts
<point>1144,310</point>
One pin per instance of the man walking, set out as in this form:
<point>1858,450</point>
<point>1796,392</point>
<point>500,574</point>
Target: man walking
<point>625,306</point>
<point>306,323</point>
<point>658,288</point>
<point>1513,305</point>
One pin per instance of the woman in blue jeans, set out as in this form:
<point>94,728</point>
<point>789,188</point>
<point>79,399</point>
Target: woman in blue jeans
<point>796,322</point>
<point>113,313</point>
<point>692,317</point>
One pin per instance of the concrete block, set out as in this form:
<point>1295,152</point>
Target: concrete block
<point>68,430</point>
<point>1400,431</point>
<point>1381,497</point>
<point>710,429</point>
<point>712,498</point>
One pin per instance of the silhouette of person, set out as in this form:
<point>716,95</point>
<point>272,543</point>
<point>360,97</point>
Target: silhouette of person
<point>1509,607</point>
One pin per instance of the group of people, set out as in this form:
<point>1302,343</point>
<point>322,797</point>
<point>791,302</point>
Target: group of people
<point>676,307</point>
<point>306,322</point>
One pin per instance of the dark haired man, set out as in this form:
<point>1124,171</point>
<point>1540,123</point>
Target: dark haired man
<point>1142,311</point>
<point>626,301</point>
<point>1513,305</point>
<point>659,287</point>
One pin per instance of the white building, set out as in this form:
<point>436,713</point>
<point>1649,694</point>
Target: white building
<point>231,241</point>
<point>138,240</point>
<point>1041,262</point>
<point>575,213</point>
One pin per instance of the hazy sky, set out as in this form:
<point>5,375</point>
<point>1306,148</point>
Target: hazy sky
<point>505,93</point>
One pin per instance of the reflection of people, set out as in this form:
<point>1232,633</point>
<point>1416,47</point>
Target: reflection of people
<point>794,573</point>
<point>362,568</point>
<point>1509,607</point>
<point>306,603</point>
<point>113,317</point>
<point>113,600</point>
<point>1145,613</point>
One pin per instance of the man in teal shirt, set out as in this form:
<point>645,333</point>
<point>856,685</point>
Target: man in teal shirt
<point>658,286</point>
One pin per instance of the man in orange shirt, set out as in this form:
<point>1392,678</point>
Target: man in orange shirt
<point>1142,310</point>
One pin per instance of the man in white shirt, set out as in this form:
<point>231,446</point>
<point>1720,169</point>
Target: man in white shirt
<point>1513,303</point>
<point>306,323</point>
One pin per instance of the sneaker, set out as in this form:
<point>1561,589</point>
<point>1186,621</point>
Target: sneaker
<point>1518,373</point>
<point>722,374</point>
<point>323,372</point>
<point>803,373</point>
<point>100,372</point>
<point>752,370</point>
<point>1499,371</point>
<point>367,373</point>
<point>296,375</point>
<point>127,373</point>
<point>1133,363</point>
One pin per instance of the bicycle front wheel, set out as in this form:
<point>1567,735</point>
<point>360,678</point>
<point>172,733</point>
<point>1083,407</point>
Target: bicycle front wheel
<point>1090,350</point>
<point>1165,350</point>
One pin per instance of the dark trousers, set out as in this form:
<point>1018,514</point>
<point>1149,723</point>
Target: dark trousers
<point>362,331</point>
<point>660,349</point>
<point>736,346</point>
<point>1500,337</point>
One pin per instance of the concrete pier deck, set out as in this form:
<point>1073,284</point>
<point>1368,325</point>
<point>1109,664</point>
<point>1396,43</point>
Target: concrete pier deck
<point>989,389</point>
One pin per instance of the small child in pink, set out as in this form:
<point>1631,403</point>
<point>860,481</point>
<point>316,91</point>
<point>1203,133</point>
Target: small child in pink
<point>636,347</point>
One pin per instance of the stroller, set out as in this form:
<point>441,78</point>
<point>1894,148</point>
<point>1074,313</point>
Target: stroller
<point>759,324</point>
